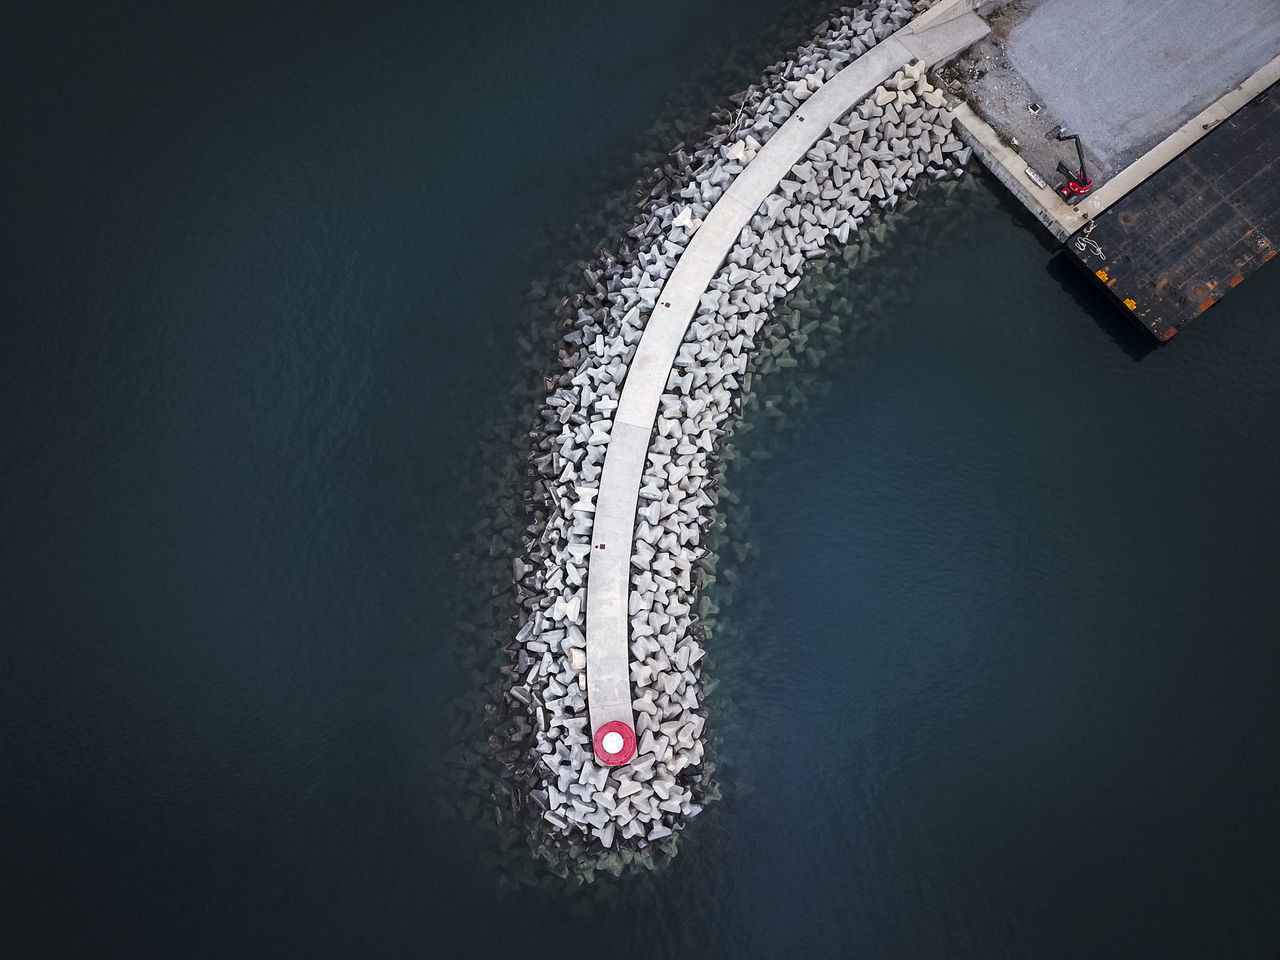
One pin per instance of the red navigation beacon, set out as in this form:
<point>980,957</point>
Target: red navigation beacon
<point>615,743</point>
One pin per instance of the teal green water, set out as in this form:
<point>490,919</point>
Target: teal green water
<point>1004,671</point>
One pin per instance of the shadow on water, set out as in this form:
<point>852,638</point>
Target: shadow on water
<point>1123,333</point>
<point>1010,205</point>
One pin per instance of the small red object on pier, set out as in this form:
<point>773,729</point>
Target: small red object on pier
<point>615,743</point>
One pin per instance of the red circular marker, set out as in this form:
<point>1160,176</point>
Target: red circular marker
<point>615,743</point>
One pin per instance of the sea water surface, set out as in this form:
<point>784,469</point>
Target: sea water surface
<point>1007,672</point>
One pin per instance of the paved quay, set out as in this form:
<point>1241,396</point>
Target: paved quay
<point>1061,219</point>
<point>1160,97</point>
<point>936,35</point>
<point>1139,88</point>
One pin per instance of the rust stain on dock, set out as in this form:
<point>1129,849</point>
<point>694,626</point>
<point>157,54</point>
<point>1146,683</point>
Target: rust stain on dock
<point>1176,245</point>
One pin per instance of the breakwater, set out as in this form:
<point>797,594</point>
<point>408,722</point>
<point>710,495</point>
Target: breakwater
<point>584,814</point>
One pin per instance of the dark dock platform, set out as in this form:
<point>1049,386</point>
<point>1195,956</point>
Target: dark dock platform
<point>1176,245</point>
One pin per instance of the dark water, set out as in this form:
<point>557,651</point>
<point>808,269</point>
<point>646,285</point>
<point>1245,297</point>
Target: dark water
<point>1012,669</point>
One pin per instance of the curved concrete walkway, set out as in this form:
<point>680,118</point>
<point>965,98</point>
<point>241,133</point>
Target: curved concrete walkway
<point>927,39</point>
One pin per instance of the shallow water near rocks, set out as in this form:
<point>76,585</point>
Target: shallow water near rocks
<point>1004,666</point>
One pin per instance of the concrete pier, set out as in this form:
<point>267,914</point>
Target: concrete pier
<point>1140,85</point>
<point>608,656</point>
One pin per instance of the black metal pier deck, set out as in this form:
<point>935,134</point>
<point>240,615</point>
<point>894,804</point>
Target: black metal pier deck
<point>1176,245</point>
